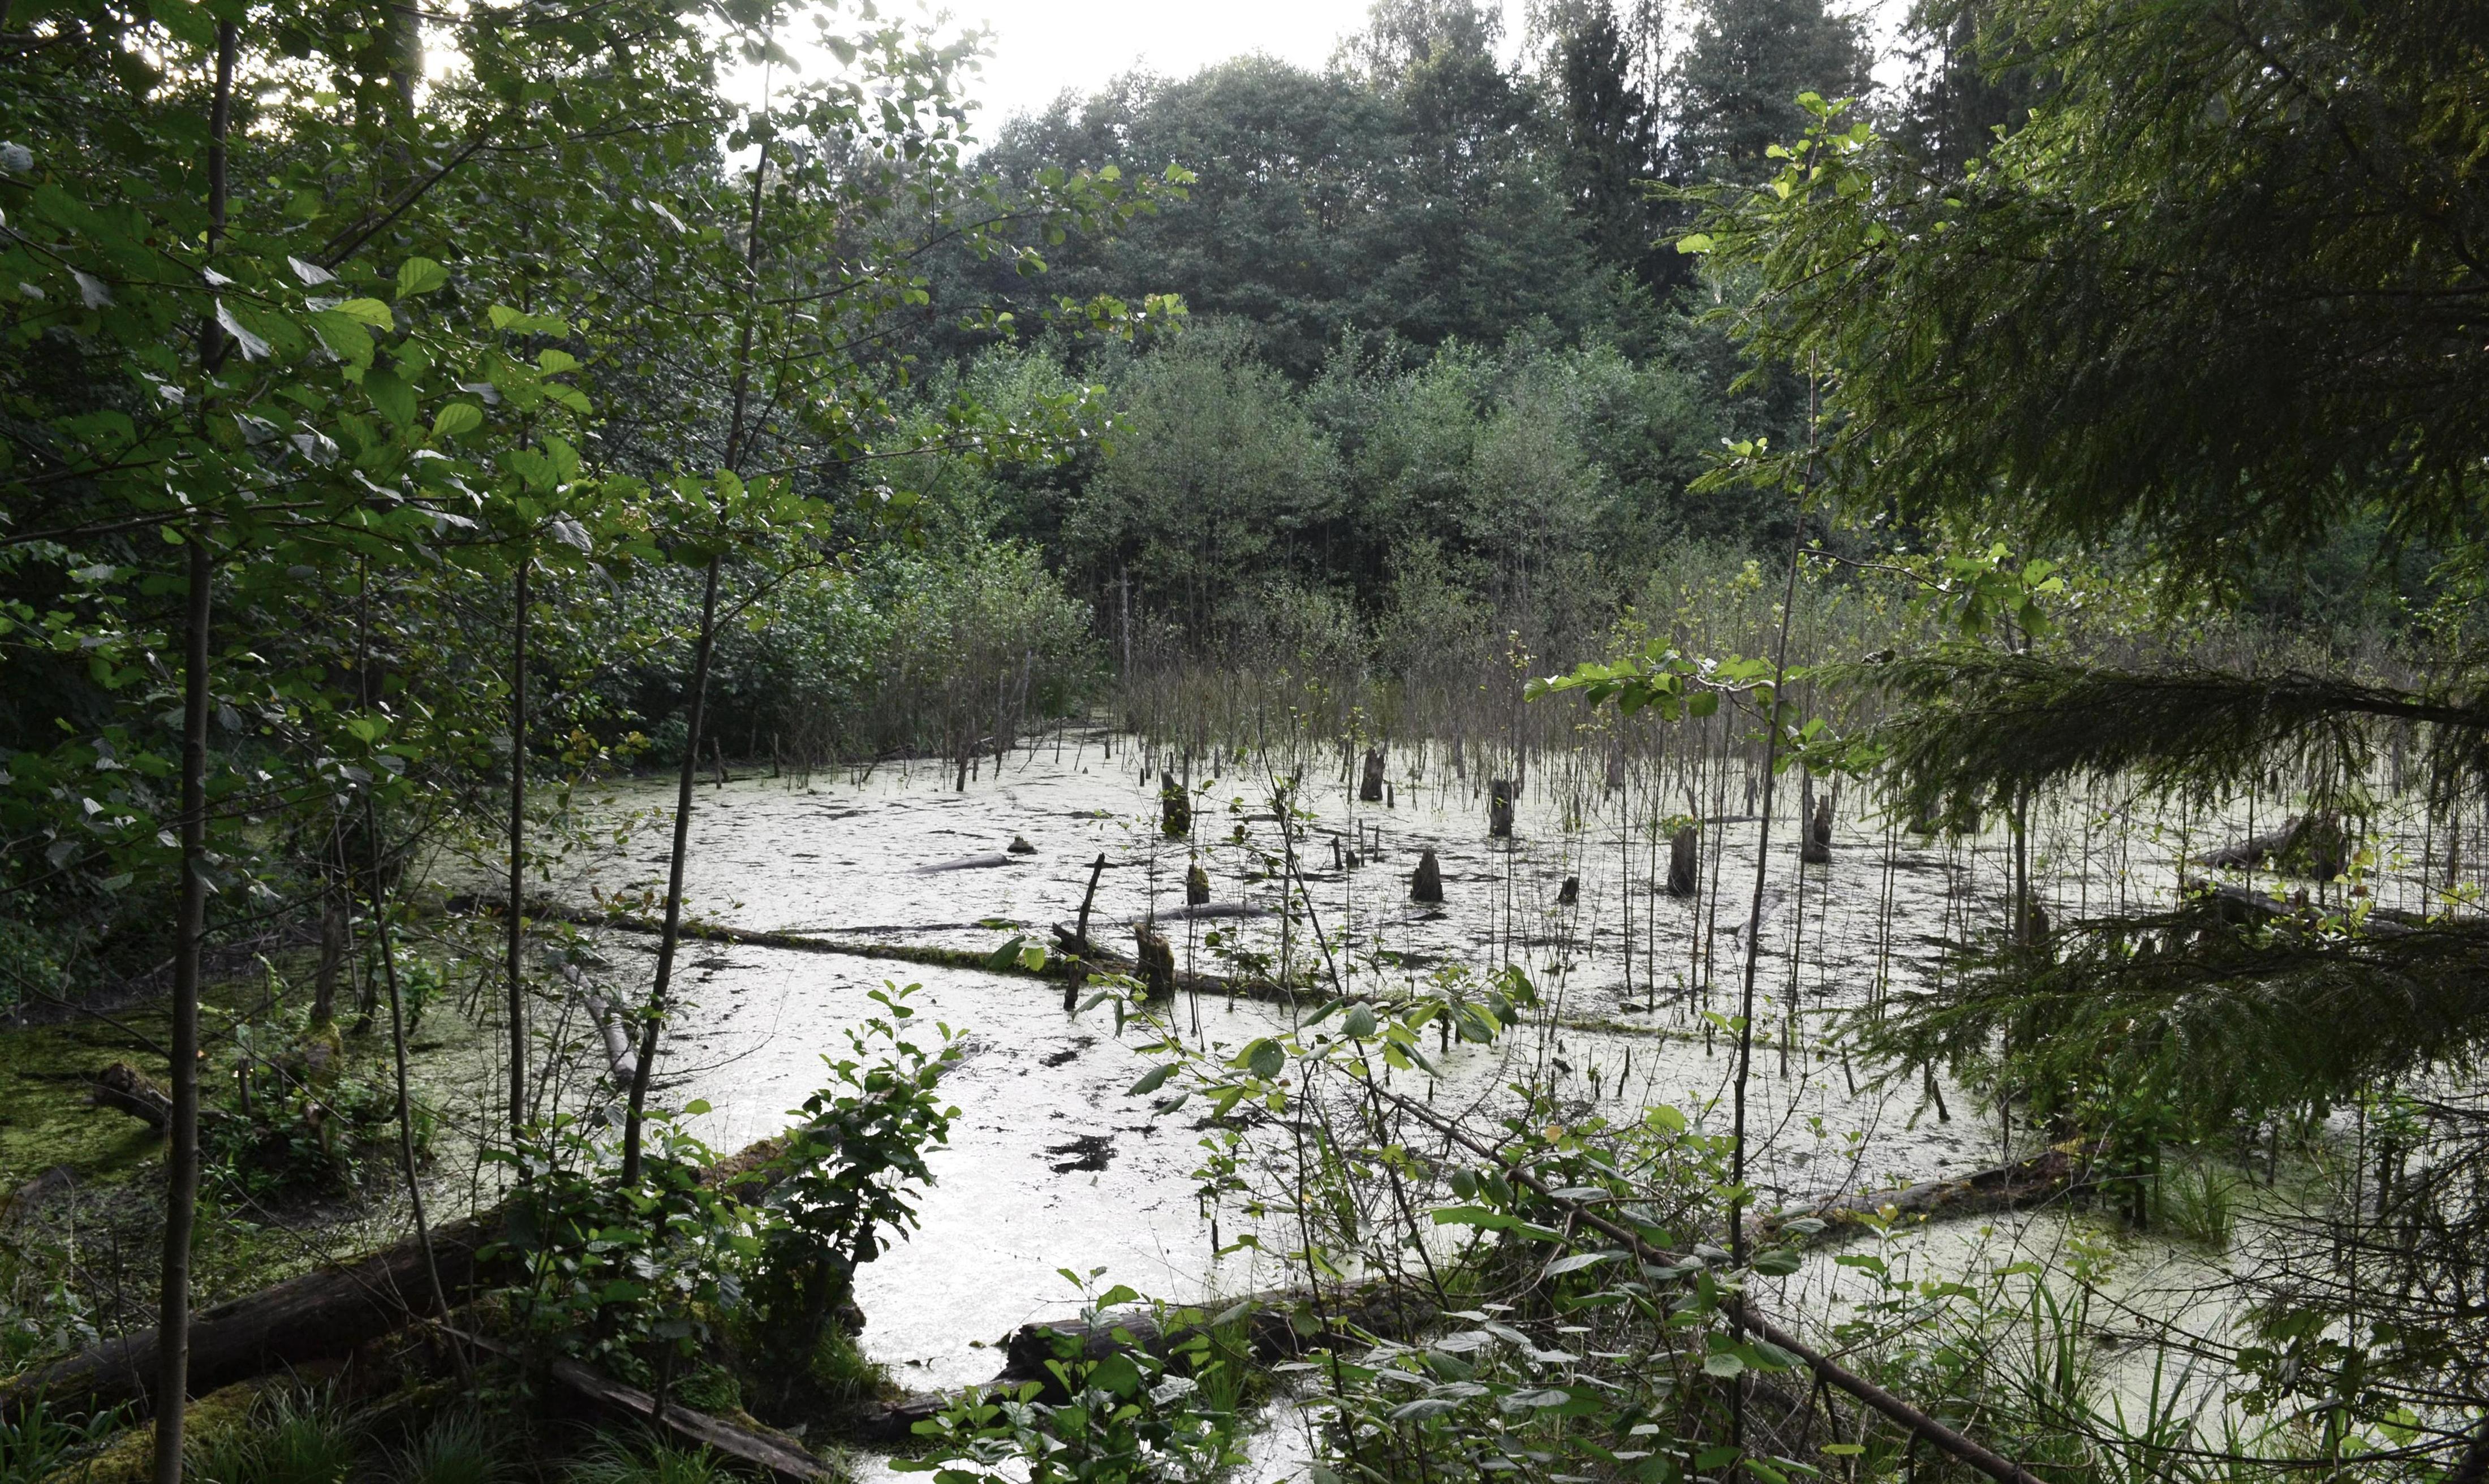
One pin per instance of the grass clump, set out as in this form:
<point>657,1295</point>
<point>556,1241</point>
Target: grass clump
<point>645,1460</point>
<point>2199,1202</point>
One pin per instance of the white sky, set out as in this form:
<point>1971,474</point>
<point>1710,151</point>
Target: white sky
<point>1036,49</point>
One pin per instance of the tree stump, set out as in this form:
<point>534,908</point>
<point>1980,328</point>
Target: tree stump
<point>1369,788</point>
<point>1570,893</point>
<point>1154,957</point>
<point>1499,807</point>
<point>1817,848</point>
<point>1196,885</point>
<point>1175,810</point>
<point>1684,864</point>
<point>1427,884</point>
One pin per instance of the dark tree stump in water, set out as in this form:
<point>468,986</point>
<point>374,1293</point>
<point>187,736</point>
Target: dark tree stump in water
<point>1175,810</point>
<point>1684,862</point>
<point>1154,957</point>
<point>1817,849</point>
<point>1499,807</point>
<point>1427,884</point>
<point>1369,788</point>
<point>1570,893</point>
<point>1196,885</point>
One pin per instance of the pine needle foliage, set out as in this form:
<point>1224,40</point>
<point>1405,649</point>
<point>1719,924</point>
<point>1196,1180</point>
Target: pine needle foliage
<point>2222,1010</point>
<point>1976,727</point>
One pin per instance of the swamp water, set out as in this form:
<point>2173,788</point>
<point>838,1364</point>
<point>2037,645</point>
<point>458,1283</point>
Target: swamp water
<point>1051,1165</point>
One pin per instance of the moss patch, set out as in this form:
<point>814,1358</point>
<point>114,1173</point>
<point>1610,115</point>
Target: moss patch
<point>45,1121</point>
<point>131,1458</point>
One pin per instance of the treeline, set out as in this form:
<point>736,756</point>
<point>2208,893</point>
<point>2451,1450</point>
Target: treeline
<point>1447,373</point>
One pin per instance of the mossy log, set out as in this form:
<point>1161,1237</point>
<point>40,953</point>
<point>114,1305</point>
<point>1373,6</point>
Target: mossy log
<point>328,1312</point>
<point>1273,1327</point>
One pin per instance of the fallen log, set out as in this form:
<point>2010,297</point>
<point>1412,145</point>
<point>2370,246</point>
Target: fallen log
<point>319,1314</point>
<point>988,862</point>
<point>123,1088</point>
<point>1280,1325</point>
<point>1276,1325</point>
<point>330,1311</point>
<point>759,1447</point>
<point>782,1457</point>
<point>2057,1172</point>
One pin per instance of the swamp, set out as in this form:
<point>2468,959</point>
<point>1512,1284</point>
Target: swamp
<point>1614,743</point>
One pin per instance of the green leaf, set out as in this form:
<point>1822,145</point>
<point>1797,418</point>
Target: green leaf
<point>1723,1363</point>
<point>346,337</point>
<point>1265,1059</point>
<point>456,418</point>
<point>392,396</point>
<point>1578,1261</point>
<point>1359,1024</point>
<point>370,312</point>
<point>1151,1081</point>
<point>419,275</point>
<point>1778,1263</point>
<point>1474,1215</point>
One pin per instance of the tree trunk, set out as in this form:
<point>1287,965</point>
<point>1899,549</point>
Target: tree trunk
<point>189,933</point>
<point>1684,862</point>
<point>515,947</point>
<point>653,1017</point>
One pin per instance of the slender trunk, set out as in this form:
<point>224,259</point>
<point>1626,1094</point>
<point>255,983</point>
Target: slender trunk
<point>654,1019</point>
<point>182,1155</point>
<point>517,851</point>
<point>397,1046</point>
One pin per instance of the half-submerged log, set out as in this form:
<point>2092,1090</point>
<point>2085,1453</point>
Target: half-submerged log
<point>2306,845</point>
<point>1369,787</point>
<point>1276,1325</point>
<point>1426,883</point>
<point>1499,807</point>
<point>986,862</point>
<point>2055,1172</point>
<point>1684,862</point>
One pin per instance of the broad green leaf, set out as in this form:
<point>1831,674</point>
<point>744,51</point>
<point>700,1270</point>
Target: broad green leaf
<point>419,275</point>
<point>456,418</point>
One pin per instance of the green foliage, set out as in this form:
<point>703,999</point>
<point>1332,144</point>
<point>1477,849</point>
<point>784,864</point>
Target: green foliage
<point>2217,293</point>
<point>847,1179</point>
<point>36,1440</point>
<point>460,1446</point>
<point>631,1279</point>
<point>297,1436</point>
<point>645,1460</point>
<point>1116,1418</point>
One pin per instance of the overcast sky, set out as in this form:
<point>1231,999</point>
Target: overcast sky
<point>1039,48</point>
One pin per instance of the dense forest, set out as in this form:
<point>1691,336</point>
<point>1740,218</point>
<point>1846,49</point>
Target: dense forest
<point>1683,767</point>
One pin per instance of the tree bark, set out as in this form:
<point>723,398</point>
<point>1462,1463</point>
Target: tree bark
<point>181,1153</point>
<point>518,1006</point>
